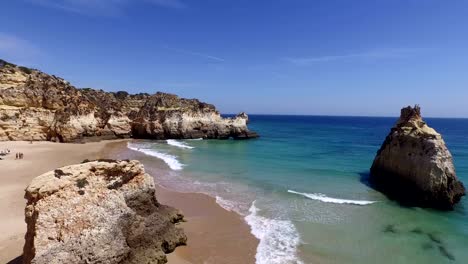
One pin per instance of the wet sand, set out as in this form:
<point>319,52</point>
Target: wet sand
<point>214,234</point>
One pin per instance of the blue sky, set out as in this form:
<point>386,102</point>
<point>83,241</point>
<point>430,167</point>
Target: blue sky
<point>330,57</point>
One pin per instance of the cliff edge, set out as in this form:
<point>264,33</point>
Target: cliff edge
<point>38,106</point>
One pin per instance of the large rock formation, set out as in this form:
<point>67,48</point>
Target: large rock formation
<point>168,116</point>
<point>98,212</point>
<point>415,167</point>
<point>38,106</point>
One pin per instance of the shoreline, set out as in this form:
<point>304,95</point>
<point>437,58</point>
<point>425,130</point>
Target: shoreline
<point>215,234</point>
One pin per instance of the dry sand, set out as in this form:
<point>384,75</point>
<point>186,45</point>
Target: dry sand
<point>15,175</point>
<point>214,234</point>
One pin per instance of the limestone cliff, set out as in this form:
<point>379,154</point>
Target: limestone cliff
<point>38,106</point>
<point>414,166</point>
<point>168,116</point>
<point>98,212</point>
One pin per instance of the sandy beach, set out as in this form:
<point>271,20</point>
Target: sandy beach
<point>214,234</point>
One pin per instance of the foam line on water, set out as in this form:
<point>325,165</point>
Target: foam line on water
<point>170,160</point>
<point>279,239</point>
<point>326,199</point>
<point>227,205</point>
<point>178,144</point>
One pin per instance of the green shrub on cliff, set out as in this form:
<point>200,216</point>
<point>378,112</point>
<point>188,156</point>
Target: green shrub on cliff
<point>25,69</point>
<point>6,63</point>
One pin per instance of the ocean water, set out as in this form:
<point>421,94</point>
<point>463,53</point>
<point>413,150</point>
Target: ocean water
<point>302,189</point>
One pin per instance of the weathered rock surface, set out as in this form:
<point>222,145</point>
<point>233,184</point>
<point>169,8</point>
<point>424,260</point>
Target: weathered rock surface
<point>98,212</point>
<point>168,116</point>
<point>38,106</point>
<point>415,167</point>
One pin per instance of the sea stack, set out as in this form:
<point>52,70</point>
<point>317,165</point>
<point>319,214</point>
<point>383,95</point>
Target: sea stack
<point>414,167</point>
<point>98,212</point>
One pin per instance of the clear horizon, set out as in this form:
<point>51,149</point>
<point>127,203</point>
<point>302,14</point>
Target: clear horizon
<point>333,58</point>
<point>350,116</point>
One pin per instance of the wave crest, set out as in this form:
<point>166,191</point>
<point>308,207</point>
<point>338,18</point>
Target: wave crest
<point>178,144</point>
<point>326,199</point>
<point>170,160</point>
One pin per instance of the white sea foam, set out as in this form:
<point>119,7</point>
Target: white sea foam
<point>170,160</point>
<point>227,205</point>
<point>196,139</point>
<point>178,144</point>
<point>279,239</point>
<point>326,199</point>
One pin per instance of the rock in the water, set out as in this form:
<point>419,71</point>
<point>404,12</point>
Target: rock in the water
<point>415,167</point>
<point>98,212</point>
<point>38,106</point>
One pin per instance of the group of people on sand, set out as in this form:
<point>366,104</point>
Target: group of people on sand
<point>19,155</point>
<point>4,152</point>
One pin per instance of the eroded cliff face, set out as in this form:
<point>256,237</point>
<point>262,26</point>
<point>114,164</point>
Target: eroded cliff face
<point>98,212</point>
<point>38,106</point>
<point>414,165</point>
<point>168,116</point>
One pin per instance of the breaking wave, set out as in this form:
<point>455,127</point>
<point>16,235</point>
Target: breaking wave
<point>326,199</point>
<point>170,160</point>
<point>178,144</point>
<point>279,239</point>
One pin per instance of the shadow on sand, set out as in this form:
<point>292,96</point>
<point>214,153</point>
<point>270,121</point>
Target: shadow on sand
<point>17,260</point>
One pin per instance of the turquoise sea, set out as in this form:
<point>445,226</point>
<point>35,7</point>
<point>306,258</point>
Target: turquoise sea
<point>302,188</point>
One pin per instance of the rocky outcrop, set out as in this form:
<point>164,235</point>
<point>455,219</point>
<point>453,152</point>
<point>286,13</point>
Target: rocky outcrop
<point>415,167</point>
<point>98,212</point>
<point>38,106</point>
<point>168,116</point>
